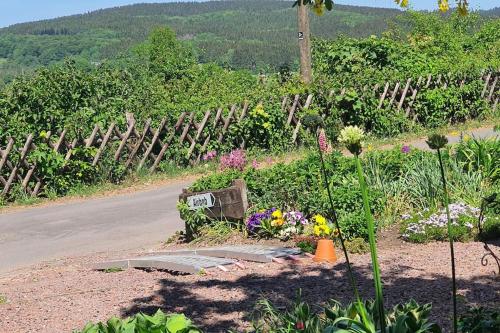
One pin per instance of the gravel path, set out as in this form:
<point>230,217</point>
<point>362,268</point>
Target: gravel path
<point>63,295</point>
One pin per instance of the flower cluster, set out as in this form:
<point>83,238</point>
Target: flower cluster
<point>209,155</point>
<point>324,145</point>
<point>294,224</point>
<point>322,228</point>
<point>426,225</point>
<point>236,159</point>
<point>273,222</point>
<point>255,220</point>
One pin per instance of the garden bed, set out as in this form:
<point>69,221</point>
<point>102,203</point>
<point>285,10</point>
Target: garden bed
<point>64,295</point>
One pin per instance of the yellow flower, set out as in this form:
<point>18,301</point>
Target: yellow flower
<point>320,219</point>
<point>444,6</point>
<point>279,222</point>
<point>318,7</point>
<point>404,3</point>
<point>277,214</point>
<point>466,138</point>
<point>317,230</point>
<point>455,133</point>
<point>369,147</point>
<point>326,229</point>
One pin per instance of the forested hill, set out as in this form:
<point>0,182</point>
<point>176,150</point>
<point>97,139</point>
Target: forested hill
<point>255,34</point>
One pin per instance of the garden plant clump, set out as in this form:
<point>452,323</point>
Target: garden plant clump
<point>425,226</point>
<point>409,317</point>
<point>143,323</point>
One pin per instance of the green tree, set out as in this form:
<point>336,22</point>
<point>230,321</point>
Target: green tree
<point>168,56</point>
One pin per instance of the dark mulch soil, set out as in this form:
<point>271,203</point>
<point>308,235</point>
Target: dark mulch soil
<point>64,295</point>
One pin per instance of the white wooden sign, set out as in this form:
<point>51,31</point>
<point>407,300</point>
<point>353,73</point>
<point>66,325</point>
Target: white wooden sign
<point>205,200</point>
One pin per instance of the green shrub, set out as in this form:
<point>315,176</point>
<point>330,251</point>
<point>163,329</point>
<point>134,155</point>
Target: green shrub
<point>358,246</point>
<point>440,106</point>
<point>480,320</point>
<point>480,155</point>
<point>142,323</point>
<point>490,228</point>
<point>193,219</point>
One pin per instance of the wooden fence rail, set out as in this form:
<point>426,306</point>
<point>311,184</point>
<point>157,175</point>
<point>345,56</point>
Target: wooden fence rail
<point>148,146</point>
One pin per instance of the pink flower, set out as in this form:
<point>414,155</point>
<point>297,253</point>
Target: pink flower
<point>209,155</point>
<point>323,141</point>
<point>405,149</point>
<point>255,164</point>
<point>236,159</point>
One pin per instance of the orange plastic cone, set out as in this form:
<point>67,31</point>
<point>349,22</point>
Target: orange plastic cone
<point>325,251</point>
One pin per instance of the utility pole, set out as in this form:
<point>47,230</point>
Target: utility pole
<point>304,42</point>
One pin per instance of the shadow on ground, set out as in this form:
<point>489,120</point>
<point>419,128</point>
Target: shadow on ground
<point>217,305</point>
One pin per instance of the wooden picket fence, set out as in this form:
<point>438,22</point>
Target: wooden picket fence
<point>147,146</point>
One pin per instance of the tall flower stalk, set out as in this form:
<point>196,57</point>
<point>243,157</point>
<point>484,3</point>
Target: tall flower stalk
<point>437,142</point>
<point>315,122</point>
<point>352,137</point>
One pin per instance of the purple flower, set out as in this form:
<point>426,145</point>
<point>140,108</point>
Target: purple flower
<point>405,149</point>
<point>255,220</point>
<point>295,218</point>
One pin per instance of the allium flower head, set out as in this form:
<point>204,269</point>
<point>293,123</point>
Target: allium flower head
<point>437,141</point>
<point>352,137</point>
<point>405,149</point>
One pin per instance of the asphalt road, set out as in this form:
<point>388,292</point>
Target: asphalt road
<point>121,222</point>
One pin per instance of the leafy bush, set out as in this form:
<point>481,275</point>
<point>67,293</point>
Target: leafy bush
<point>194,219</point>
<point>480,320</point>
<point>440,106</point>
<point>480,155</point>
<point>490,228</point>
<point>357,245</point>
<point>142,323</point>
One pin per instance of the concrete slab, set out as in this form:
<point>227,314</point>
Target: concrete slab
<point>256,253</point>
<point>184,263</point>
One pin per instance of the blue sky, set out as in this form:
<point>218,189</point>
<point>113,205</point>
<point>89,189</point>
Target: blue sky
<point>17,11</point>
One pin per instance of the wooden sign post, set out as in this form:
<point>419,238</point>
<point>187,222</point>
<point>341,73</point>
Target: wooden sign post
<point>230,203</point>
